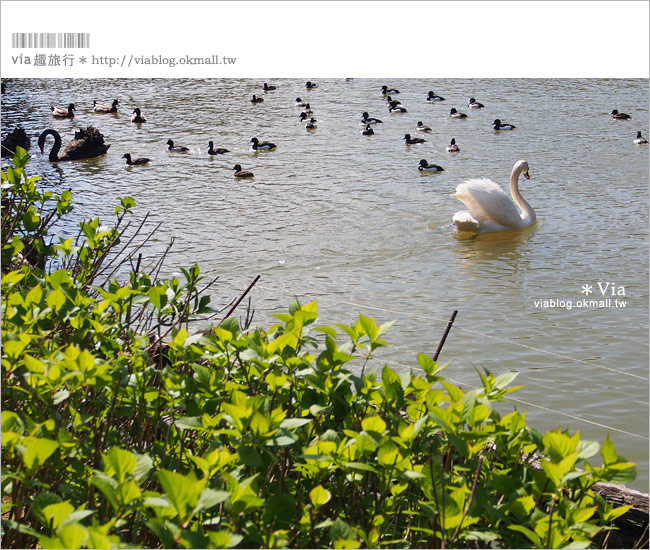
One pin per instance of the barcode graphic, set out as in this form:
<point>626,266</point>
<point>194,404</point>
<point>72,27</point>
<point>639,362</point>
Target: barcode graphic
<point>50,40</point>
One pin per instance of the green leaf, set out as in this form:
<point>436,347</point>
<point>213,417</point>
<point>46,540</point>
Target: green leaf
<point>181,491</point>
<point>119,463</point>
<point>319,496</point>
<point>72,535</point>
<point>37,451</point>
<point>532,536</point>
<point>56,514</point>
<point>608,451</point>
<point>249,456</point>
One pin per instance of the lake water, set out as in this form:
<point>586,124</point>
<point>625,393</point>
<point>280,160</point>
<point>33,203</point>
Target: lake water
<point>348,220</point>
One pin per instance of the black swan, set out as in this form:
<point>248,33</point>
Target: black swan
<point>86,144</point>
<point>16,138</point>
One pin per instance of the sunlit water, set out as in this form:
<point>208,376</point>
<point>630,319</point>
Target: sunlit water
<point>348,220</point>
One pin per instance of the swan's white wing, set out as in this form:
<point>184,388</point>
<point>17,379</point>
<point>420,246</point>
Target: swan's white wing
<point>485,201</point>
<point>464,222</point>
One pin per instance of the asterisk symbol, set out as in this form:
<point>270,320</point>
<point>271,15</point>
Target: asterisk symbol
<point>587,289</point>
<point>82,59</point>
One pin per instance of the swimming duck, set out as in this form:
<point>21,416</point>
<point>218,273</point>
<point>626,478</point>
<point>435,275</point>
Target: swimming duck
<point>304,116</point>
<point>456,114</point>
<point>135,162</point>
<point>422,128</point>
<point>212,151</point>
<point>88,143</point>
<point>310,85</point>
<point>452,147</point>
<point>426,167</point>
<point>640,140</point>
<point>473,104</point>
<point>310,125</point>
<point>137,116</point>
<point>264,146</point>
<point>268,88</point>
<point>256,99</point>
<point>498,125</point>
<point>176,148</point>
<point>412,141</point>
<point>619,116</point>
<point>397,109</point>
<point>307,110</point>
<point>239,173</point>
<point>385,90</point>
<point>103,108</point>
<point>391,101</point>
<point>366,120</point>
<point>431,97</point>
<point>368,131</point>
<point>63,112</point>
<point>300,102</point>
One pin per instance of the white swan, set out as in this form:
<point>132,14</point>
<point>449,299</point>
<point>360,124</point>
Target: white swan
<point>489,208</point>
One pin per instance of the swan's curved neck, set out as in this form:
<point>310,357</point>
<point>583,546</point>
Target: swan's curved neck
<point>527,212</point>
<point>54,152</point>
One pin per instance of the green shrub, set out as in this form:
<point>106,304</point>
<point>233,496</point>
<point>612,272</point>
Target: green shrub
<point>120,429</point>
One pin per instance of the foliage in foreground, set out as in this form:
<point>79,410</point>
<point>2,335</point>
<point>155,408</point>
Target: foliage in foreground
<point>250,438</point>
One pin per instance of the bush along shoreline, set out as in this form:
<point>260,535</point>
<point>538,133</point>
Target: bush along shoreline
<point>249,438</point>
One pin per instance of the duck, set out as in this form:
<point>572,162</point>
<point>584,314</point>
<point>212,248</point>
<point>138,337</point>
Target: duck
<point>391,101</point>
<point>456,114</point>
<point>63,112</point>
<point>385,90</point>
<point>431,97</point>
<point>300,102</point>
<point>176,148</point>
<point>426,167</point>
<point>365,119</point>
<point>640,140</point>
<point>412,141</point>
<point>619,116</point>
<point>309,85</point>
<point>304,116</point>
<point>422,128</point>
<point>452,147</point>
<point>368,131</point>
<point>103,108</point>
<point>137,116</point>
<point>307,110</point>
<point>310,125</point>
<point>239,173</point>
<point>16,138</point>
<point>498,125</point>
<point>263,146</point>
<point>256,99</point>
<point>397,109</point>
<point>268,88</point>
<point>135,162</point>
<point>473,104</point>
<point>212,151</point>
<point>88,143</point>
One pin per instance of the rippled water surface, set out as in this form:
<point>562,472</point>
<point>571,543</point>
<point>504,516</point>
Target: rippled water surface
<point>348,220</point>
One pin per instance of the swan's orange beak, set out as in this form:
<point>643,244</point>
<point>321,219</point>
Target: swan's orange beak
<point>526,175</point>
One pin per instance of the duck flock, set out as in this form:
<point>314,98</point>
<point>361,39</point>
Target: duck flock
<point>90,142</point>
